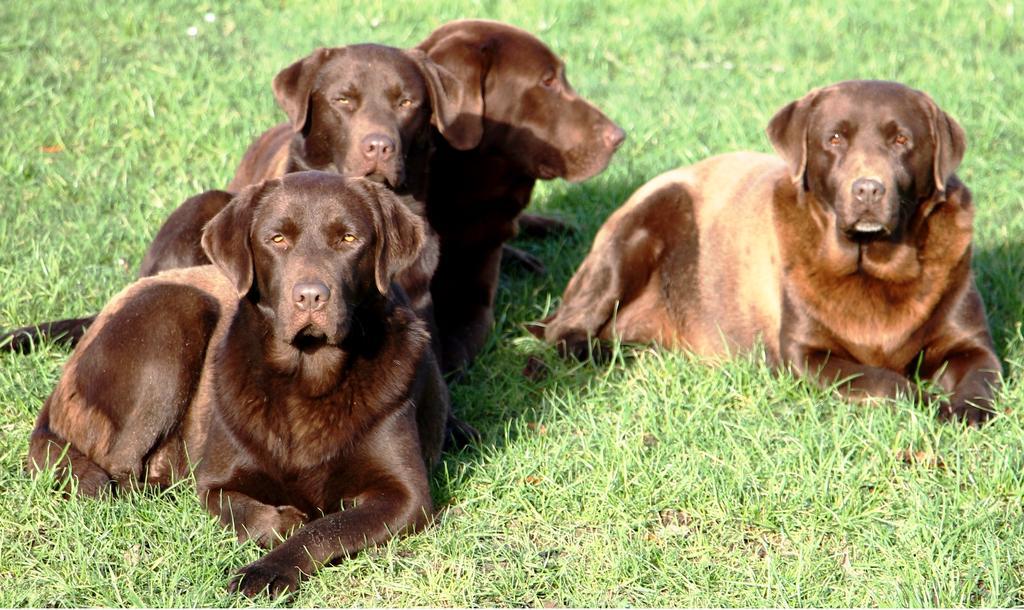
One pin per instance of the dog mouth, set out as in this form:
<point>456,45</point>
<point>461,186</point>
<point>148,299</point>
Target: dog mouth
<point>864,231</point>
<point>379,178</point>
<point>309,338</point>
<point>392,177</point>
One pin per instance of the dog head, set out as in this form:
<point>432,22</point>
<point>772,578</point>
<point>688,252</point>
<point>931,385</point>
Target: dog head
<point>521,101</point>
<point>311,248</point>
<point>363,109</point>
<point>872,151</point>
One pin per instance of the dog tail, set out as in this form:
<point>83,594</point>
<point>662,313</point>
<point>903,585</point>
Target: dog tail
<point>63,332</point>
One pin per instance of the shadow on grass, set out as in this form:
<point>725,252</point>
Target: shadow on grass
<point>1000,278</point>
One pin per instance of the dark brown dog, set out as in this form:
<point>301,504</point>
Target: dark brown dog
<point>533,126</point>
<point>849,257</point>
<point>362,110</point>
<point>293,376</point>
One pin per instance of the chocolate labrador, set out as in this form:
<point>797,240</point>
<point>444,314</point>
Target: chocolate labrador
<point>848,255</point>
<point>292,374</point>
<point>361,110</point>
<point>531,126</point>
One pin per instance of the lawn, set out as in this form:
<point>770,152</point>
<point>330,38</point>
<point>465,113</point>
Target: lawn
<point>656,480</point>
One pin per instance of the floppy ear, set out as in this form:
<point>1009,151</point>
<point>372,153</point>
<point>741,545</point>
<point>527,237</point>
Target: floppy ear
<point>293,85</point>
<point>788,132</point>
<point>456,60</point>
<point>949,143</point>
<point>226,238</point>
<point>400,232</point>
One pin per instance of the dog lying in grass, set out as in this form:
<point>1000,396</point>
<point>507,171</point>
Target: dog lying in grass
<point>848,255</point>
<point>292,375</point>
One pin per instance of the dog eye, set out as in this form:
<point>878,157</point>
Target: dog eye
<point>349,237</point>
<point>836,139</point>
<point>277,239</point>
<point>901,139</point>
<point>405,103</point>
<point>548,80</point>
<point>341,99</point>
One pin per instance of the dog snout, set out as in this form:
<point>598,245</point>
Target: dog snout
<point>311,296</point>
<point>867,191</point>
<point>378,147</point>
<point>613,136</point>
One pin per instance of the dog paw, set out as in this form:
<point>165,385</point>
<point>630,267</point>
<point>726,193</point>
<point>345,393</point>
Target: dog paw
<point>963,411</point>
<point>459,434</point>
<point>536,369</point>
<point>265,576</point>
<point>582,347</point>
<point>536,227</point>
<point>523,260</point>
<point>275,524</point>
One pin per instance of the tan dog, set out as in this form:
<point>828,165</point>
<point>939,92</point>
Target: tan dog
<point>849,257</point>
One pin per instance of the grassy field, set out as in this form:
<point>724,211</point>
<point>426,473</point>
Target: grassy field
<point>657,480</point>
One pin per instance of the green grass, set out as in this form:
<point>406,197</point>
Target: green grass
<point>659,480</point>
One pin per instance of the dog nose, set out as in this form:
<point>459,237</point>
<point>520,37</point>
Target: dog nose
<point>868,190</point>
<point>378,146</point>
<point>311,296</point>
<point>613,136</point>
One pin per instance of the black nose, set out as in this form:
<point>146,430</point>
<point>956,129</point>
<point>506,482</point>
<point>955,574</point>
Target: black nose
<point>311,296</point>
<point>378,146</point>
<point>613,136</point>
<point>868,190</point>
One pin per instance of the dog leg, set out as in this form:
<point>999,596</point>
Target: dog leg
<point>264,524</point>
<point>535,226</point>
<point>514,257</point>
<point>608,278</point>
<point>48,450</point>
<point>380,513</point>
<point>627,250</point>
<point>972,375</point>
<point>852,380</point>
<point>393,498</point>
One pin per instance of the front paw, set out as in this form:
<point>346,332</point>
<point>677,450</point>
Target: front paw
<point>543,226</point>
<point>276,524</point>
<point>459,434</point>
<point>583,347</point>
<point>963,411</point>
<point>522,259</point>
<point>265,576</point>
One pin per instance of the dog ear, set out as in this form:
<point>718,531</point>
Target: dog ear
<point>788,133</point>
<point>293,85</point>
<point>400,232</point>
<point>226,239</point>
<point>456,60</point>
<point>949,143</point>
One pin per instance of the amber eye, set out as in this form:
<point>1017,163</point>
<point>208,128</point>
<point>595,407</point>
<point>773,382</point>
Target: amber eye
<point>341,99</point>
<point>349,237</point>
<point>836,139</point>
<point>548,79</point>
<point>405,103</point>
<point>277,238</point>
<point>901,140</point>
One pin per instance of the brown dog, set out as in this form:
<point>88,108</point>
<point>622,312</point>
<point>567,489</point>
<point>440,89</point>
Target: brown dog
<point>363,110</point>
<point>849,257</point>
<point>293,376</point>
<point>533,126</point>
